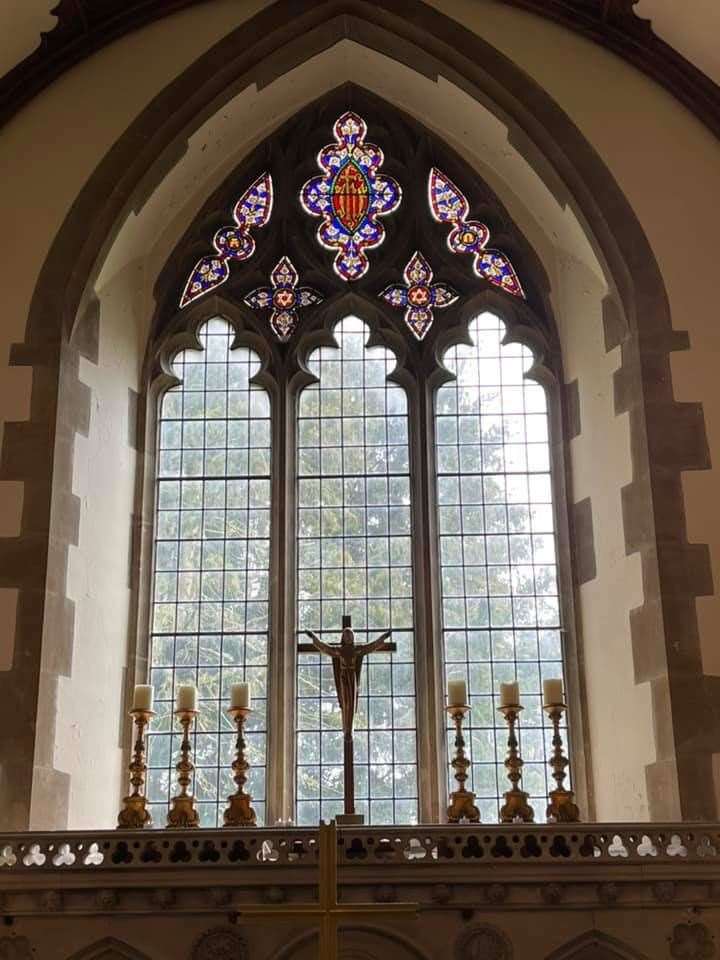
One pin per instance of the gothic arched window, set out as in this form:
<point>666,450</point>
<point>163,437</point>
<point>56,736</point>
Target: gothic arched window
<point>353,428</point>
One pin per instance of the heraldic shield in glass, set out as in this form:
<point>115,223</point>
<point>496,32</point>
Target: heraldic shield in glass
<point>450,205</point>
<point>253,209</point>
<point>350,195</point>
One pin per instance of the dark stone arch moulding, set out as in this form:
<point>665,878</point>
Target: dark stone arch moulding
<point>82,30</point>
<point>667,437</point>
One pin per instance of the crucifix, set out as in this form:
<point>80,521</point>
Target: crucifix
<point>347,657</point>
<point>328,911</point>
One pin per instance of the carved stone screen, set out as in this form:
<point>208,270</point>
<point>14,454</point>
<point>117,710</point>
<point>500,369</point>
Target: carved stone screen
<point>211,566</point>
<point>354,557</point>
<point>500,604</point>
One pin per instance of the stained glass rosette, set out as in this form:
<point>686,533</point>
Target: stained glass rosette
<point>450,205</point>
<point>253,209</point>
<point>419,295</point>
<point>283,297</point>
<point>350,195</point>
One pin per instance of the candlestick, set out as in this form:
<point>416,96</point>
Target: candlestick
<point>562,807</point>
<point>240,812</point>
<point>462,801</point>
<point>552,692</point>
<point>134,814</point>
<point>183,813</point>
<point>240,695</point>
<point>457,693</point>
<point>516,806</point>
<point>509,694</point>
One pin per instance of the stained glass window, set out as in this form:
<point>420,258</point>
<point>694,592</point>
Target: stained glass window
<point>211,566</point>
<point>500,604</point>
<point>354,557</point>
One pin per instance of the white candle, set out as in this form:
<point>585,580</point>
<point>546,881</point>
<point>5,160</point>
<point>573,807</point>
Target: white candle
<point>142,697</point>
<point>457,693</point>
<point>552,692</point>
<point>186,697</point>
<point>240,695</point>
<point>510,694</point>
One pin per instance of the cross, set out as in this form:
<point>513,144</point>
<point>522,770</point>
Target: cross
<point>347,657</point>
<point>328,911</point>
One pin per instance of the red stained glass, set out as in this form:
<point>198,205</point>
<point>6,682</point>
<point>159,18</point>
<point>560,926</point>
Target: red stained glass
<point>350,196</point>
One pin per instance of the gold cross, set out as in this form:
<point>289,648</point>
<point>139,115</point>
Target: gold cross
<point>327,910</point>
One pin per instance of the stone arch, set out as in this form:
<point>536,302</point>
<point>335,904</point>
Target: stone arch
<point>362,943</point>
<point>109,948</point>
<point>595,945</point>
<point>420,35</point>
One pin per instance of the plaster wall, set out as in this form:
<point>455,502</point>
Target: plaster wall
<point>601,465</point>
<point>668,166</point>
<point>91,719</point>
<point>640,131</point>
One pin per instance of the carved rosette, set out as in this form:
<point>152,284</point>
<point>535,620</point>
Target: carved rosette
<point>664,891</point>
<point>483,942</point>
<point>107,899</point>
<point>692,941</point>
<point>221,943</point>
<point>496,893</point>
<point>552,893</point>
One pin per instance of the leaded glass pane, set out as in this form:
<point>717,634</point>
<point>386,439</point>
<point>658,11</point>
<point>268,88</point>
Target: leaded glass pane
<point>212,555</point>
<point>499,579</point>
<point>354,557</point>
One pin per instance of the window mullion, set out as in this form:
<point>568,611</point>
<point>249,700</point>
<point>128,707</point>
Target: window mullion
<point>281,713</point>
<point>428,632</point>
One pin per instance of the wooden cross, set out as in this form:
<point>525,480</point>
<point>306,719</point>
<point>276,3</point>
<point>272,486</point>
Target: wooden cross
<point>328,912</point>
<point>347,660</point>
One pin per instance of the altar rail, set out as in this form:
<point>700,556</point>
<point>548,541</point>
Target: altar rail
<point>418,847</point>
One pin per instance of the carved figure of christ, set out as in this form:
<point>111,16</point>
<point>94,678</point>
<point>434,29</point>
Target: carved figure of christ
<point>347,658</point>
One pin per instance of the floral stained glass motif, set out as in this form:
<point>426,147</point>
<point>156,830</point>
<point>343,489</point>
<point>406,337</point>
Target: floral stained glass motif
<point>419,295</point>
<point>283,297</point>
<point>450,205</point>
<point>350,195</point>
<point>253,209</point>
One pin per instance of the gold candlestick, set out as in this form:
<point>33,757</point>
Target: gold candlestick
<point>462,801</point>
<point>562,807</point>
<point>134,814</point>
<point>516,806</point>
<point>183,812</point>
<point>240,812</point>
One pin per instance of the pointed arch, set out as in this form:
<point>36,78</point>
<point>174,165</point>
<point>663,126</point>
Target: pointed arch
<point>366,942</point>
<point>595,945</point>
<point>421,35</point>
<point>109,948</point>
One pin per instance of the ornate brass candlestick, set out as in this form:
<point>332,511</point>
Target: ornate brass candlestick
<point>562,807</point>
<point>240,812</point>
<point>182,812</point>
<point>516,806</point>
<point>134,814</point>
<point>462,801</point>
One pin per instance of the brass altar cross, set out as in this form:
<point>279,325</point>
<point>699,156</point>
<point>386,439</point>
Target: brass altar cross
<point>328,911</point>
